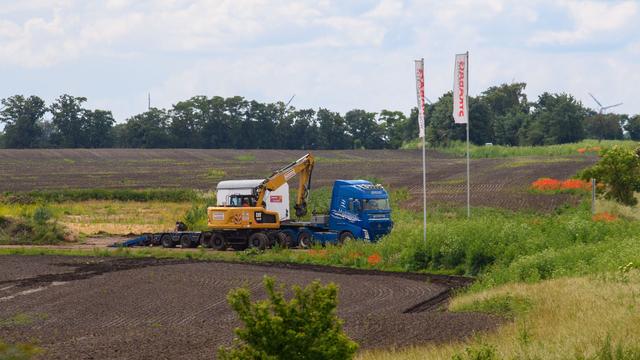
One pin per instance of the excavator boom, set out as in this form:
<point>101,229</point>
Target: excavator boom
<point>303,167</point>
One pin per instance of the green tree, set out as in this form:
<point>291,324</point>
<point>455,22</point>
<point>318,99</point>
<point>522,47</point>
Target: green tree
<point>507,127</point>
<point>365,131</point>
<point>619,169</point>
<point>97,128</point>
<point>480,127</point>
<point>23,119</point>
<point>332,131</point>
<point>147,130</point>
<point>604,126</point>
<point>305,327</point>
<point>633,127</point>
<point>304,130</point>
<point>440,128</point>
<point>68,118</point>
<point>394,124</point>
<point>506,99</point>
<point>559,117</point>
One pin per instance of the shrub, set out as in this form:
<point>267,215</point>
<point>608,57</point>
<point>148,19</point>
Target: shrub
<point>306,327</point>
<point>619,169</point>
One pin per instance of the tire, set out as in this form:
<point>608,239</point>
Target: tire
<point>218,242</point>
<point>345,236</point>
<point>304,240</point>
<point>259,240</point>
<point>185,241</point>
<point>167,241</point>
<point>283,239</point>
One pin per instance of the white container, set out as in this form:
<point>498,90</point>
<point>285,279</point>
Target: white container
<point>277,200</point>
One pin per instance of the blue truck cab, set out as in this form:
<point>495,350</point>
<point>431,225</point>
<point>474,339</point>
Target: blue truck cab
<point>361,209</point>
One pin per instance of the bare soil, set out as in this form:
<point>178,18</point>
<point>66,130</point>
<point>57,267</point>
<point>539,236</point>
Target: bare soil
<point>500,182</point>
<point>115,308</point>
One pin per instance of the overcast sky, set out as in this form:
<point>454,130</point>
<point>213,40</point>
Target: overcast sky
<point>335,54</point>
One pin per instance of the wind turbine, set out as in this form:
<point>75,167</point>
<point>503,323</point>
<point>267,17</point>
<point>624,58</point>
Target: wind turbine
<point>600,117</point>
<point>603,108</point>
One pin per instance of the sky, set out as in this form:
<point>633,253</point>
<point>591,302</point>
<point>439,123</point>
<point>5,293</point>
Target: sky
<point>339,55</point>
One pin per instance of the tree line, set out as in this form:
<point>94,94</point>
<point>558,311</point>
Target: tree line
<point>500,115</point>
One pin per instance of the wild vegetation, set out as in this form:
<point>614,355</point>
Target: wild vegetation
<point>501,115</point>
<point>305,327</point>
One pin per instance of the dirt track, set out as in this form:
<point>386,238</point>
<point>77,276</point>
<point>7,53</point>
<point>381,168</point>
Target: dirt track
<point>97,308</point>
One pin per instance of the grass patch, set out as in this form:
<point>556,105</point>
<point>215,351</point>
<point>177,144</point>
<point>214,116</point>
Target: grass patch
<point>459,148</point>
<point>18,351</point>
<point>58,196</point>
<point>245,157</point>
<point>216,174</point>
<point>506,305</point>
<point>570,318</point>
<point>109,217</point>
<point>38,228</point>
<point>21,319</point>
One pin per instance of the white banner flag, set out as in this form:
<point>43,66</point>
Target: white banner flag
<point>461,89</point>
<point>420,93</point>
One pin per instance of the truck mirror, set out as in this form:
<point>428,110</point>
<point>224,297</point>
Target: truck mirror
<point>356,206</point>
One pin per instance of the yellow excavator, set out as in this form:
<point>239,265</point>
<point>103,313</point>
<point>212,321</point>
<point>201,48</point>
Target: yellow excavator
<point>248,222</point>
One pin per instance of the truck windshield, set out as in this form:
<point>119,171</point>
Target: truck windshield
<point>375,204</point>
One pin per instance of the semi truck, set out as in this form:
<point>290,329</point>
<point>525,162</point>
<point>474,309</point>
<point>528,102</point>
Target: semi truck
<point>256,213</point>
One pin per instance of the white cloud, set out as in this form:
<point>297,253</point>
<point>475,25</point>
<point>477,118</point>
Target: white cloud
<point>589,18</point>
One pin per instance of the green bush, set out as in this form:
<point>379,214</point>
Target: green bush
<point>619,169</point>
<point>478,352</point>
<point>305,327</point>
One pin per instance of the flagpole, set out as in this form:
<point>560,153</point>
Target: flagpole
<point>424,193</point>
<point>468,156</point>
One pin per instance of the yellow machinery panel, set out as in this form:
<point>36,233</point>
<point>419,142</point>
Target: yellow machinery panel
<point>242,218</point>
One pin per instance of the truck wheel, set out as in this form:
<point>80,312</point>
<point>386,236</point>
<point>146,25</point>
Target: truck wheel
<point>167,241</point>
<point>304,240</point>
<point>284,239</point>
<point>217,242</point>
<point>185,241</point>
<point>345,236</point>
<point>259,240</point>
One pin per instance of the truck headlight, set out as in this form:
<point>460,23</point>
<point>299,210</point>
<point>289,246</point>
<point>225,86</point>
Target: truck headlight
<point>366,234</point>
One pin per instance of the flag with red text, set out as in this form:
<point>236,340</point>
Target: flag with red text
<point>460,89</point>
<point>420,94</point>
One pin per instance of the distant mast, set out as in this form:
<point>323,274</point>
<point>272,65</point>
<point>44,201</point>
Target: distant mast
<point>148,101</point>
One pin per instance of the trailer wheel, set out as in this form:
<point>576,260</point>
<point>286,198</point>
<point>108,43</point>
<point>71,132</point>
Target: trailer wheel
<point>217,242</point>
<point>259,240</point>
<point>345,236</point>
<point>284,239</point>
<point>304,240</point>
<point>167,241</point>
<point>185,241</point>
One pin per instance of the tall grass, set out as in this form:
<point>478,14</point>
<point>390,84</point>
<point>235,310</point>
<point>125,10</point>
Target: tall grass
<point>571,318</point>
<point>496,151</point>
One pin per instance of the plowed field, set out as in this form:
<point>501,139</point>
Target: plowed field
<point>500,182</point>
<point>99,308</point>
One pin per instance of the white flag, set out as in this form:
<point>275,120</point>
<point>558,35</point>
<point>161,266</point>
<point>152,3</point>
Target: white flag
<point>461,89</point>
<point>420,93</point>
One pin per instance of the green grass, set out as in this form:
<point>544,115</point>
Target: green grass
<point>216,174</point>
<point>57,196</point>
<point>497,151</point>
<point>503,305</point>
<point>18,351</point>
<point>245,157</point>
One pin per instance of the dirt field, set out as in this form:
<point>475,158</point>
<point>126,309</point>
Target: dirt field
<point>97,308</point>
<point>495,182</point>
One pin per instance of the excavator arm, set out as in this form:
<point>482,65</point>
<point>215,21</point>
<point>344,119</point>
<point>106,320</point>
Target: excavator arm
<point>302,166</point>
